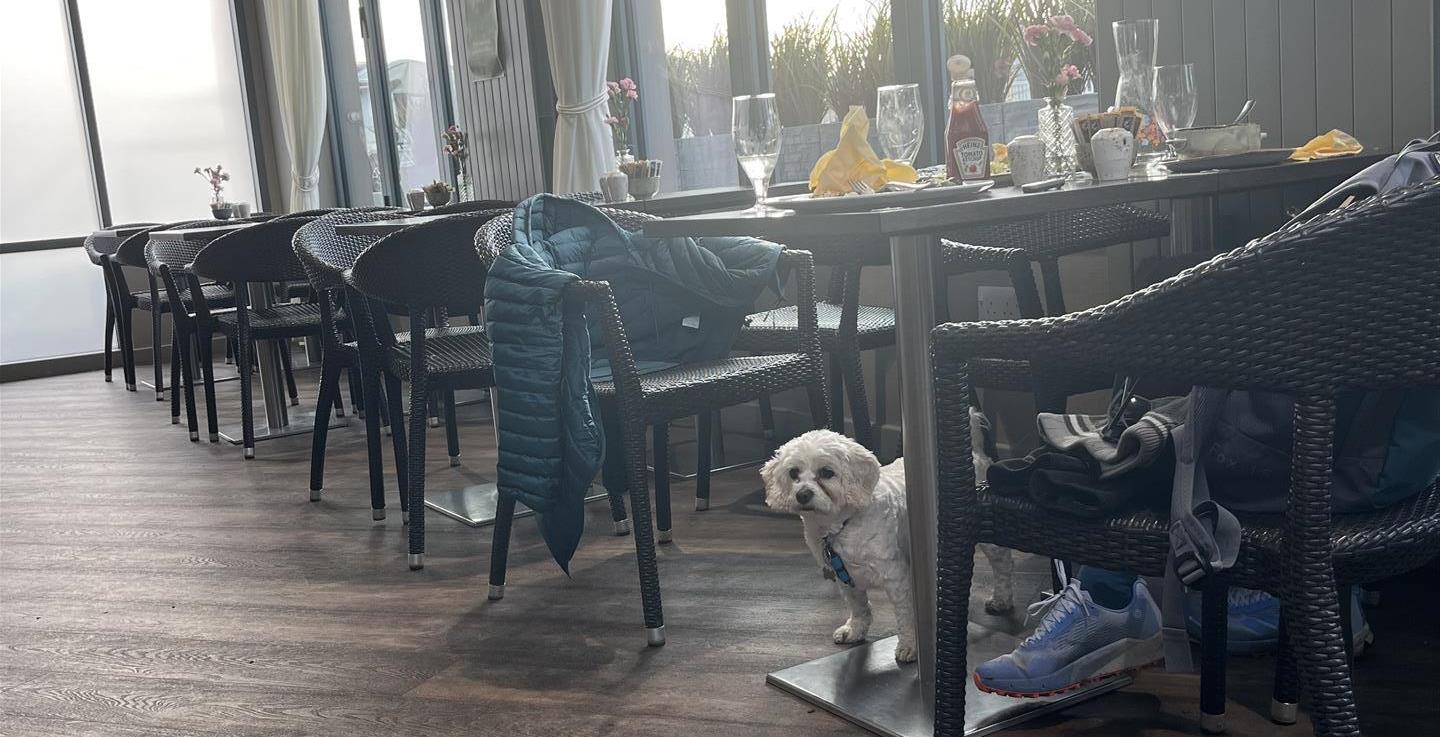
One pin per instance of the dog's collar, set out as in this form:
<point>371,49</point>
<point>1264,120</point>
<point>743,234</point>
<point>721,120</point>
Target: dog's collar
<point>833,560</point>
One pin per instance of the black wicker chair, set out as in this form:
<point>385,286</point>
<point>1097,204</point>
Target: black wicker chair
<point>326,255</point>
<point>431,270</point>
<point>1347,302</point>
<point>99,256</point>
<point>461,208</point>
<point>261,253</point>
<point>630,402</point>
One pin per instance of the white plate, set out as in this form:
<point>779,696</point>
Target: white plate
<point>861,202</point>
<point>1259,157</point>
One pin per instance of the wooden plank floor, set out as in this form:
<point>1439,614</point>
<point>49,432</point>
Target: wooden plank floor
<point>152,586</point>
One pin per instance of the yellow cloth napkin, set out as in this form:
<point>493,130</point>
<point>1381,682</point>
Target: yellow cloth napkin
<point>854,160</point>
<point>1334,143</point>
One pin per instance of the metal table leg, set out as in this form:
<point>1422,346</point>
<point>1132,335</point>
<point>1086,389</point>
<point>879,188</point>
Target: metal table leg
<point>279,421</point>
<point>864,684</point>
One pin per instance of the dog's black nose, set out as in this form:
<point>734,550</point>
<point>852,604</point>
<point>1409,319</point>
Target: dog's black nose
<point>804,496</point>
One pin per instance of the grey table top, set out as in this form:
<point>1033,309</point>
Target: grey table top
<point>207,233</point>
<point>1000,204</point>
<point>386,227</point>
<point>121,233</point>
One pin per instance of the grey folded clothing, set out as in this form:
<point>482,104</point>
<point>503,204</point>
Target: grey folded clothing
<point>1142,441</point>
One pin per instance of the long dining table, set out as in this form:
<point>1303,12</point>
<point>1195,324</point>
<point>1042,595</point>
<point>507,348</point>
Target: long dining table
<point>864,684</point>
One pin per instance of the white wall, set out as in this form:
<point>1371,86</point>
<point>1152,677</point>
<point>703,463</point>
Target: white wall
<point>52,303</point>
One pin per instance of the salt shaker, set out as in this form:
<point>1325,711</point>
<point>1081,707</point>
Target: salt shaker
<point>1027,159</point>
<point>1113,150</point>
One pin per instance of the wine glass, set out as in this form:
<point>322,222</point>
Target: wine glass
<point>900,121</point>
<point>756,122</point>
<point>1173,100</point>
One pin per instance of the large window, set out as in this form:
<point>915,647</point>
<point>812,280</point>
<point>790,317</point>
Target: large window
<point>45,185</point>
<point>168,98</point>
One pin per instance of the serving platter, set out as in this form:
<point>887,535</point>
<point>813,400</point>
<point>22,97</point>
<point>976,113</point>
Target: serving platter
<point>1258,157</point>
<point>937,195</point>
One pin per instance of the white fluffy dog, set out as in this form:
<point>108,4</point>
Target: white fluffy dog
<point>856,526</point>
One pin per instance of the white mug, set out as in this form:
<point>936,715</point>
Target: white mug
<point>1113,150</point>
<point>1027,159</point>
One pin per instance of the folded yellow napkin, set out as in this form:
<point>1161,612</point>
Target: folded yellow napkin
<point>853,160</point>
<point>1334,143</point>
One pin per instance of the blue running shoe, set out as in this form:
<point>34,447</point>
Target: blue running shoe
<point>1254,622</point>
<point>1077,642</point>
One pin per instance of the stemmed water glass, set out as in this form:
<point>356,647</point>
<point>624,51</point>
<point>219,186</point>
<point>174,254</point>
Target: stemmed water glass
<point>756,129</point>
<point>900,121</point>
<point>1173,100</point>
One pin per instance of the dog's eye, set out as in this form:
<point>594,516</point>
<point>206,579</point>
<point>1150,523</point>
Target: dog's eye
<point>794,474</point>
<point>827,473</point>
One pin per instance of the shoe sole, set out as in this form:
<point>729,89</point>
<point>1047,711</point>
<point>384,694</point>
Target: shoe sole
<point>1151,654</point>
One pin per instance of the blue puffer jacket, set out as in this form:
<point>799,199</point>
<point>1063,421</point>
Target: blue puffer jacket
<point>550,441</point>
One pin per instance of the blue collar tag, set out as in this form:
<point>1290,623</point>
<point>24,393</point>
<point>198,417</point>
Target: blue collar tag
<point>836,563</point>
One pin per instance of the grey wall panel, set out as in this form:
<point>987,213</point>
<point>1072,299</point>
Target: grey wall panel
<point>1172,42</point>
<point>1198,46</point>
<point>1412,84</point>
<point>1262,65</point>
<point>1334,101</point>
<point>1370,23</point>
<point>1297,73</point>
<point>1228,36</point>
<point>1106,69</point>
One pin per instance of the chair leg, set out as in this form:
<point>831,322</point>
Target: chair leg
<point>952,676</point>
<point>660,459</point>
<point>175,351</point>
<point>452,429</point>
<point>854,377</point>
<point>836,377</point>
<point>818,409</point>
<point>283,347</point>
<point>1214,613</point>
<point>373,453</point>
<point>357,391</point>
<point>329,387</point>
<point>1285,699</point>
<point>187,381</point>
<point>126,321</point>
<point>634,441</point>
<point>767,422</point>
<point>109,340</point>
<point>156,332</point>
<point>207,371</point>
<point>500,546</point>
<point>1312,599</point>
<point>393,404</point>
<point>244,357</point>
<point>415,460</point>
<point>229,350</point>
<point>704,445</point>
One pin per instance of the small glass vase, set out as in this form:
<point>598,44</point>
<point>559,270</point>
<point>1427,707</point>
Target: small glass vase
<point>1055,132</point>
<point>464,188</point>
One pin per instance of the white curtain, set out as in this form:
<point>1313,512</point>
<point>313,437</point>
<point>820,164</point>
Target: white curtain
<point>577,36</point>
<point>299,65</point>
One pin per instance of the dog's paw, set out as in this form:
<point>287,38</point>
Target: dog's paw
<point>905,653</point>
<point>998,605</point>
<point>849,633</point>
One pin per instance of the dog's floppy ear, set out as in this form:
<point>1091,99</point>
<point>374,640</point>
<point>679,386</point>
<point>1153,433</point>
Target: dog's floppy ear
<point>770,474</point>
<point>863,465</point>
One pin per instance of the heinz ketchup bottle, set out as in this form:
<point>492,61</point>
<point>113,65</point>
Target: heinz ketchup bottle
<point>966,133</point>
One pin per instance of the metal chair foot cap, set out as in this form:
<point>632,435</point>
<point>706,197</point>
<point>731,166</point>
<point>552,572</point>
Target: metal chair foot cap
<point>316,493</point>
<point>664,536</point>
<point>214,437</point>
<point>340,413</point>
<point>404,518</point>
<point>159,397</point>
<point>415,560</point>
<point>129,387</point>
<point>454,460</point>
<point>108,380</point>
<point>497,592</point>
<point>389,432</point>
<point>194,437</point>
<point>434,422</point>
<point>701,504</point>
<point>377,514</point>
<point>175,419</point>
<point>1283,713</point>
<point>295,402</point>
<point>1212,723</point>
<point>249,453</point>
<point>622,527</point>
<point>655,636</point>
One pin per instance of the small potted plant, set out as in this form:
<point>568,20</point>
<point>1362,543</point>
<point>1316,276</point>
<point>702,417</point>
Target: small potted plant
<point>458,149</point>
<point>216,176</point>
<point>437,193</point>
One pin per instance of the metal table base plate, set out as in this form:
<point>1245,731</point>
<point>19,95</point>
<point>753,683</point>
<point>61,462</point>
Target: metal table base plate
<point>864,685</point>
<point>300,423</point>
<point>474,505</point>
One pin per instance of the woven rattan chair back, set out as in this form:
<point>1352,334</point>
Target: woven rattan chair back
<point>325,254</point>
<point>259,253</point>
<point>96,252</point>
<point>428,266</point>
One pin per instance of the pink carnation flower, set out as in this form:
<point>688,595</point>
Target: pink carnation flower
<point>632,94</point>
<point>627,84</point>
<point>1079,36</point>
<point>1063,23</point>
<point>1068,73</point>
<point>613,87</point>
<point>1034,33</point>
